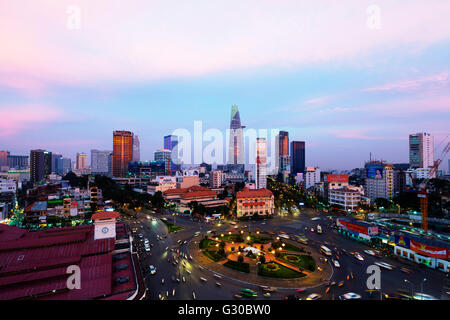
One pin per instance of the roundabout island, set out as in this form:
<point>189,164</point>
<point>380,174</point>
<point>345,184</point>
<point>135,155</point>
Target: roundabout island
<point>260,259</point>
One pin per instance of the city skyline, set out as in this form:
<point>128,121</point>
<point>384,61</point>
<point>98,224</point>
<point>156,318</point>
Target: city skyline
<point>344,98</point>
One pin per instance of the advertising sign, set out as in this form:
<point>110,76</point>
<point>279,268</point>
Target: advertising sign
<point>375,172</point>
<point>342,178</point>
<point>430,251</point>
<point>401,241</point>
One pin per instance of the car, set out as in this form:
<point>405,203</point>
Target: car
<point>141,235</point>
<point>423,296</point>
<point>384,265</point>
<point>190,257</point>
<point>203,279</point>
<point>336,263</point>
<point>193,295</point>
<point>301,290</point>
<point>370,252</point>
<point>249,293</point>
<point>314,296</point>
<point>266,295</point>
<point>341,283</point>
<point>173,292</point>
<point>188,271</point>
<point>147,249</point>
<point>312,229</point>
<point>358,256</point>
<point>218,284</point>
<point>350,296</point>
<point>174,263</point>
<point>185,241</point>
<point>184,279</point>
<point>217,276</point>
<point>152,269</point>
<point>406,270</point>
<point>237,296</point>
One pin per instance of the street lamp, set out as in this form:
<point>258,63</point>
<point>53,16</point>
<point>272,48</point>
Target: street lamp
<point>412,287</point>
<point>421,285</point>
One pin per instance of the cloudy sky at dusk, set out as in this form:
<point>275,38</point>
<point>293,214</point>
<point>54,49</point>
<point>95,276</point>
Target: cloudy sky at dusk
<point>321,70</point>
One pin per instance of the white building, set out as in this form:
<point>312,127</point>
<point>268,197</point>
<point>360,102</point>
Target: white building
<point>421,150</point>
<point>312,176</point>
<point>261,163</point>
<point>7,185</point>
<point>346,197</point>
<point>215,179</point>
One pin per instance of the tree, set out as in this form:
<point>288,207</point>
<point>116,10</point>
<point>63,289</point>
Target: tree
<point>158,200</point>
<point>262,258</point>
<point>240,259</point>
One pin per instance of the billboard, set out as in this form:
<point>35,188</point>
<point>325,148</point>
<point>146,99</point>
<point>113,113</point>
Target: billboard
<point>342,178</point>
<point>375,172</point>
<point>401,241</point>
<point>430,251</point>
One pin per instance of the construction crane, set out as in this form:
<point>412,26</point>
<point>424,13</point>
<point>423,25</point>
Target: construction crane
<point>422,190</point>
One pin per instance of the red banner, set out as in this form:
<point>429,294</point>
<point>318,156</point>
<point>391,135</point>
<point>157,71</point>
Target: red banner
<point>430,251</point>
<point>343,178</point>
<point>352,226</point>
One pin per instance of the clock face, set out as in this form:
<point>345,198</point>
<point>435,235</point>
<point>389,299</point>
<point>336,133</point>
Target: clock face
<point>105,230</point>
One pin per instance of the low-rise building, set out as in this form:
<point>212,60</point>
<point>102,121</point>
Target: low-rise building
<point>346,197</point>
<point>254,203</point>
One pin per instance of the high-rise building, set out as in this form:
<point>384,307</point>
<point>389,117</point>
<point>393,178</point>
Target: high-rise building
<point>57,163</point>
<point>312,176</point>
<point>165,155</point>
<point>100,162</point>
<point>122,152</point>
<point>421,150</point>
<point>261,163</point>
<point>18,162</point>
<point>297,157</point>
<point>81,161</point>
<point>400,173</point>
<point>379,180</point>
<point>4,159</point>
<point>136,149</point>
<point>67,165</point>
<point>170,142</point>
<point>283,151</point>
<point>40,165</point>
<point>236,147</point>
<point>215,179</point>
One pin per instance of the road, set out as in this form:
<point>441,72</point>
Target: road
<point>391,280</point>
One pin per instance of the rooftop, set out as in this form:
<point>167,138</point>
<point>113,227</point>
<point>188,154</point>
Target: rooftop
<point>249,193</point>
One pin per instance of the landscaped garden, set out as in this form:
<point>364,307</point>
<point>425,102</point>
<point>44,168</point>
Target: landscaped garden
<point>276,270</point>
<point>171,227</point>
<point>270,257</point>
<point>304,262</point>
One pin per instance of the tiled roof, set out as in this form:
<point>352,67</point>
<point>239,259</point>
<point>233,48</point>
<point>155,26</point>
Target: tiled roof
<point>33,264</point>
<point>105,215</point>
<point>248,193</point>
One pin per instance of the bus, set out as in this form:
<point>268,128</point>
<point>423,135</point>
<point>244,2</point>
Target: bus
<point>325,251</point>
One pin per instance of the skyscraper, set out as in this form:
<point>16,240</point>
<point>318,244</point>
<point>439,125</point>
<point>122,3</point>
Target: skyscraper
<point>4,159</point>
<point>18,162</point>
<point>236,147</point>
<point>283,151</point>
<point>165,156</point>
<point>81,161</point>
<point>100,162</point>
<point>57,163</point>
<point>40,165</point>
<point>261,163</point>
<point>136,149</point>
<point>170,142</point>
<point>379,182</point>
<point>67,165</point>
<point>122,152</point>
<point>297,157</point>
<point>421,150</point>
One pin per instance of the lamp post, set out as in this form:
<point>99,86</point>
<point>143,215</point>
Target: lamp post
<point>412,287</point>
<point>421,286</point>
